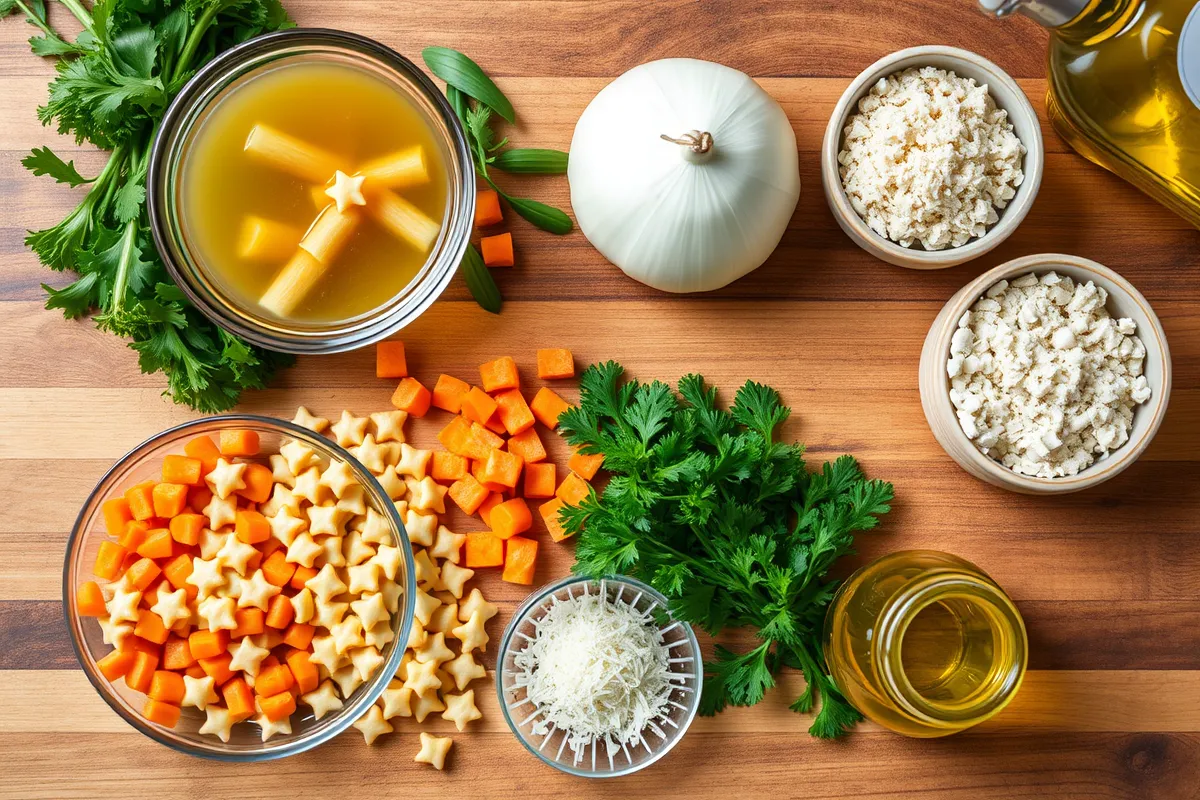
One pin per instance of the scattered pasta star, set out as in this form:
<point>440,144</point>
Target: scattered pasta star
<point>354,502</point>
<point>218,721</point>
<point>326,584</point>
<point>325,654</point>
<point>305,419</point>
<point>355,550</point>
<point>461,709</point>
<point>413,462</point>
<point>448,544</point>
<point>475,602</point>
<point>299,456</point>
<point>424,605</point>
<point>269,727</point>
<point>427,572</point>
<point>435,650</point>
<point>347,634</point>
<point>303,550</point>
<point>392,483</point>
<point>172,607</point>
<point>464,669</point>
<point>364,578</point>
<point>331,551</point>
<point>349,430</point>
<point>338,476</point>
<point>247,656</point>
<point>375,528</point>
<point>226,478</point>
<point>256,591</point>
<point>123,607</point>
<point>427,494</point>
<point>453,578</point>
<point>280,471</point>
<point>347,679</point>
<point>397,701</point>
<point>199,692</point>
<point>389,560</point>
<point>322,700</point>
<point>389,425</point>
<point>420,527</point>
<point>472,634</point>
<point>425,704</point>
<point>327,613</point>
<point>366,660</point>
<point>373,725</point>
<point>434,750</point>
<point>346,190</point>
<point>370,609</point>
<point>206,576</point>
<point>422,676</point>
<point>379,635</point>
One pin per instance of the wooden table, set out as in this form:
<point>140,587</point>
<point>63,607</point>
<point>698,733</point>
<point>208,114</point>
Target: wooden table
<point>1108,581</point>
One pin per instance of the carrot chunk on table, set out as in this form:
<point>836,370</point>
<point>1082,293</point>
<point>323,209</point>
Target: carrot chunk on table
<point>390,361</point>
<point>510,518</point>
<point>412,397</point>
<point>448,393</point>
<point>501,468</point>
<point>499,374</point>
<point>573,490</point>
<point>528,445</point>
<point>547,406</point>
<point>520,560</point>
<point>555,363</point>
<point>497,251</point>
<point>585,466</point>
<point>514,412</point>
<point>448,467</point>
<point>539,480</point>
<point>550,515</point>
<point>468,494</point>
<point>487,208</point>
<point>116,515</point>
<point>484,549</point>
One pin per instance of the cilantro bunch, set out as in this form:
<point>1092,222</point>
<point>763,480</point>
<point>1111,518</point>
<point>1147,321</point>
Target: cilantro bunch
<point>114,83</point>
<point>728,523</point>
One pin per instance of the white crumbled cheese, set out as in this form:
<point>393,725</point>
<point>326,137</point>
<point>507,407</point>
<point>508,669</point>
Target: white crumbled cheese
<point>597,670</point>
<point>929,158</point>
<point>1042,378</point>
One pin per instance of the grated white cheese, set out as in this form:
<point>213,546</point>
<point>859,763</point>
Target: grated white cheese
<point>596,670</point>
<point>929,158</point>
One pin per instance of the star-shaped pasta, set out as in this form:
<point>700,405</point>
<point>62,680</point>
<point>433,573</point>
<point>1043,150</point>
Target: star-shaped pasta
<point>370,609</point>
<point>420,528</point>
<point>444,618</point>
<point>402,670</point>
<point>346,191</point>
<point>115,633</point>
<point>303,550</point>
<point>454,578</point>
<point>285,526</point>
<point>326,520</point>
<point>247,656</point>
<point>373,725</point>
<point>366,660</point>
<point>206,576</point>
<point>338,476</point>
<point>475,602</point>
<point>414,462</point>
<point>417,636</point>
<point>327,614</point>
<point>425,704</point>
<point>389,425</point>
<point>173,607</point>
<point>322,700</point>
<point>347,634</point>
<point>464,669</point>
<point>427,495</point>
<point>433,750</point>
<point>221,512</point>
<point>392,483</point>
<point>281,499</point>
<point>199,692</point>
<point>326,584</point>
<point>434,651</point>
<point>268,728</point>
<point>226,478</point>
<point>364,578</point>
<point>331,551</point>
<point>447,544</point>
<point>375,528</point>
<point>371,454</point>
<point>347,680</point>
<point>325,654</point>
<point>472,634</point>
<point>391,595</point>
<point>389,560</point>
<point>299,456</point>
<point>123,605</point>
<point>422,676</point>
<point>426,570</point>
<point>302,606</point>
<point>397,701</point>
<point>461,709</point>
<point>218,722</point>
<point>257,591</point>
<point>280,471</point>
<point>232,587</point>
<point>379,635</point>
<point>217,612</point>
<point>355,550</point>
<point>353,502</point>
<point>308,486</point>
<point>305,419</point>
<point>235,554</point>
<point>211,542</point>
<point>424,605</point>
<point>349,430</point>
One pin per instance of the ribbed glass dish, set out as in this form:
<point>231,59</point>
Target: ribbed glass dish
<point>657,738</point>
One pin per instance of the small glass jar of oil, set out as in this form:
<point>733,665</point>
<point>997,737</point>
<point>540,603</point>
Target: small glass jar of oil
<point>925,643</point>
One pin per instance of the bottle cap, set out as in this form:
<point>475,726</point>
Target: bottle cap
<point>1048,13</point>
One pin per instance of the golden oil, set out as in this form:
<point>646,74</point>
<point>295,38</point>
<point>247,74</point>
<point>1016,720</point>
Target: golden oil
<point>925,643</point>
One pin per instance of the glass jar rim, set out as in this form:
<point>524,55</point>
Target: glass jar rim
<point>403,308</point>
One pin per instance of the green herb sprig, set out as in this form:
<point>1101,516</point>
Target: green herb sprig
<point>728,523</point>
<point>475,98</point>
<point>113,84</point>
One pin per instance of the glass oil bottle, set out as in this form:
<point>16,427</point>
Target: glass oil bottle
<point>925,643</point>
<point>1125,88</point>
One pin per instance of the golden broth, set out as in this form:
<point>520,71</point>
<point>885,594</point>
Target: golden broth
<point>340,109</point>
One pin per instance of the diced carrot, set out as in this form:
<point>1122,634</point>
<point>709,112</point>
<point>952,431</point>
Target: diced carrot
<point>116,664</point>
<point>554,363</point>
<point>199,497</point>
<point>479,473</point>
<point>454,437</point>
<point>502,468</point>
<point>141,673</point>
<point>134,535</point>
<point>511,518</point>
<point>412,396</point>
<point>549,512</point>
<point>259,482</point>
<point>480,443</point>
<point>89,600</point>
<point>514,412</point>
<point>390,361</point>
<point>182,469</point>
<point>165,714</point>
<point>169,499</point>
<point>277,569</point>
<point>278,706</point>
<point>140,645</point>
<point>250,622</point>
<point>273,680</point>
<point>116,514</point>
<point>301,576</point>
<point>573,490</point>
<point>177,654</point>
<point>547,406</point>
<point>204,450</point>
<point>495,425</point>
<point>539,480</point>
<point>177,570</point>
<point>269,661</point>
<point>208,644</point>
<point>448,466</point>
<point>157,544</point>
<point>141,500</point>
<point>528,445</point>
<point>252,527</point>
<point>478,405</point>
<point>520,559</point>
<point>195,671</point>
<point>167,687</point>
<point>585,466</point>
<point>487,208</point>
<point>186,528</point>
<point>299,635</point>
<point>280,612</point>
<point>484,549</point>
<point>150,627</point>
<point>499,374</point>
<point>303,671</point>
<point>485,510</point>
<point>217,667</point>
<point>182,629</point>
<point>497,251</point>
<point>239,442</point>
<point>238,698</point>
<point>150,596</point>
<point>142,573</point>
<point>448,393</point>
<point>468,494</point>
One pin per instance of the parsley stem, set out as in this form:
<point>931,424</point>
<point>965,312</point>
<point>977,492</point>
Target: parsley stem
<point>81,14</point>
<point>35,20</point>
<point>193,41</point>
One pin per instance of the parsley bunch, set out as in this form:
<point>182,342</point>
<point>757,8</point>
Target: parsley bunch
<point>728,523</point>
<point>114,83</point>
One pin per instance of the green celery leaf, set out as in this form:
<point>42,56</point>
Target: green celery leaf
<point>479,281</point>
<point>531,161</point>
<point>43,161</point>
<point>462,73</point>
<point>76,299</point>
<point>548,218</point>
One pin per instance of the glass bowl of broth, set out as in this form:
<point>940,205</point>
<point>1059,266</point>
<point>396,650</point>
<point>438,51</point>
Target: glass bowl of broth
<point>311,191</point>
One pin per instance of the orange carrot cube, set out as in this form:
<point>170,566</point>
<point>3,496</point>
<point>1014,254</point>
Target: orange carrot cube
<point>520,560</point>
<point>143,572</point>
<point>573,490</point>
<point>182,469</point>
<point>539,480</point>
<point>239,443</point>
<point>528,445</point>
<point>89,600</point>
<point>514,412</point>
<point>585,466</point>
<point>502,468</point>
<point>487,208</point>
<point>485,511</point>
<point>455,435</point>
<point>412,396</point>
<point>303,671</point>
<point>448,393</point>
<point>555,363</point>
<point>510,518</point>
<point>116,664</point>
<point>499,374</point>
<point>251,527</point>
<point>299,635</point>
<point>390,361</point>
<point>169,499</point>
<point>547,406</point>
<point>238,698</point>
<point>478,405</point>
<point>259,482</point>
<point>484,549</point>
<point>448,467</point>
<point>550,515</point>
<point>167,687</point>
<point>141,500</point>
<point>157,544</point>
<point>468,494</point>
<point>141,673</point>
<point>116,515</point>
<point>165,714</point>
<point>204,450</point>
<point>497,251</point>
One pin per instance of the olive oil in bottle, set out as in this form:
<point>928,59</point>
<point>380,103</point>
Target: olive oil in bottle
<point>1125,88</point>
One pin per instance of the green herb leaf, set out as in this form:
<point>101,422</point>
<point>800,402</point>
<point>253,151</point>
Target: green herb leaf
<point>531,161</point>
<point>479,281</point>
<point>43,161</point>
<point>462,73</point>
<point>548,218</point>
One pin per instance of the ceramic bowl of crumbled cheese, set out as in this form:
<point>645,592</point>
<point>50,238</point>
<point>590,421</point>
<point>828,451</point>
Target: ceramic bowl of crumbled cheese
<point>932,157</point>
<point>1047,374</point>
<point>595,677</point>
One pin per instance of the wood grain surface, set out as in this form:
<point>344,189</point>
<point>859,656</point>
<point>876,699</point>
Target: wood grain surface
<point>1108,580</point>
